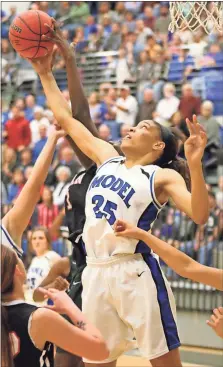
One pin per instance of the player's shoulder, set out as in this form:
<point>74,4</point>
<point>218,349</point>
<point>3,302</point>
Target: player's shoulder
<point>52,255</point>
<point>116,159</point>
<point>166,176</point>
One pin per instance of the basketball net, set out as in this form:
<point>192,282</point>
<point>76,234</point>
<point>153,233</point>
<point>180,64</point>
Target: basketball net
<point>196,14</point>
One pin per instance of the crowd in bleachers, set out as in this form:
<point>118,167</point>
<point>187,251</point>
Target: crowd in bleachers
<point>145,55</point>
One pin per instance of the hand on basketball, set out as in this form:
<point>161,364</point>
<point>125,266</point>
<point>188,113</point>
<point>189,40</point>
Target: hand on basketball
<point>55,35</point>
<point>195,145</point>
<point>43,65</point>
<point>62,302</point>
<point>124,229</point>
<point>216,322</point>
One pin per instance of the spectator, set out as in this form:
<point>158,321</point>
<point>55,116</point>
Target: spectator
<point>17,131</point>
<point>39,145</point>
<point>16,186</point>
<point>113,41</point>
<point>62,12</point>
<point>147,107</point>
<point>8,165</point>
<point>7,19</point>
<point>127,107</point>
<point>20,103</point>
<point>180,123</point>
<point>104,132</point>
<point>207,234</point>
<point>150,44</point>
<point>163,21</point>
<point>143,74</point>
<point>25,159</point>
<point>175,45</point>
<point>167,106</point>
<point>79,12</point>
<point>197,48</point>
<point>142,33</point>
<point>133,6</point>
<point>30,105</point>
<point>95,108</point>
<point>189,103</point>
<point>106,24</point>
<point>186,35</point>
<point>124,67</point>
<point>124,130</point>
<point>44,6</point>
<point>158,71</point>
<point>208,121</point>
<point>110,108</point>
<point>68,159</point>
<point>47,211</point>
<point>7,51</point>
<point>39,119</point>
<point>79,40</point>
<point>103,9</point>
<point>90,26</point>
<point>118,15</point>
<point>130,21</point>
<point>148,17</point>
<point>219,194</point>
<point>63,175</point>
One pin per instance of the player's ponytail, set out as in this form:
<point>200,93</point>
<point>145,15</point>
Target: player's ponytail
<point>170,158</point>
<point>8,265</point>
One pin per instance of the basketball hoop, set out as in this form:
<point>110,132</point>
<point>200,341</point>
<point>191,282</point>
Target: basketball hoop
<point>196,14</point>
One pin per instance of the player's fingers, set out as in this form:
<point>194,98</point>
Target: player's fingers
<point>43,290</point>
<point>217,313</point>
<point>53,290</point>
<point>190,127</point>
<point>213,318</point>
<point>220,309</point>
<point>210,323</point>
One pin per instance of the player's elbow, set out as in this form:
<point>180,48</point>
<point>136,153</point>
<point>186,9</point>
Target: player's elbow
<point>201,219</point>
<point>99,352</point>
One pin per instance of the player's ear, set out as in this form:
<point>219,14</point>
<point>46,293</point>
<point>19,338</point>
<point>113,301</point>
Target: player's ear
<point>159,145</point>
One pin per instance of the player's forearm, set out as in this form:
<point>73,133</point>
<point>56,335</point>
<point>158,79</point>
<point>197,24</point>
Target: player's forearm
<point>57,103</point>
<point>199,195</point>
<point>80,321</point>
<point>79,103</point>
<point>205,274</point>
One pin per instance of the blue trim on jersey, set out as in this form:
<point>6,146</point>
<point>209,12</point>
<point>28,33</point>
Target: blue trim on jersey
<point>152,191</point>
<point>167,319</point>
<point>18,251</point>
<point>145,221</point>
<point>114,159</point>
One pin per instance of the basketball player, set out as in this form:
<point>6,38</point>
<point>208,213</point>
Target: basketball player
<point>29,332</point>
<point>128,290</point>
<point>16,220</point>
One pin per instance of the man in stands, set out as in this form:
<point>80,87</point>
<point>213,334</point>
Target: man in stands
<point>189,103</point>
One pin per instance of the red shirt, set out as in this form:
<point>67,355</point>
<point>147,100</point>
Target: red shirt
<point>189,106</point>
<point>19,132</point>
<point>47,215</point>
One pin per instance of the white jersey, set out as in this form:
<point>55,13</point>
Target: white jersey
<point>118,192</point>
<point>38,270</point>
<point>6,240</point>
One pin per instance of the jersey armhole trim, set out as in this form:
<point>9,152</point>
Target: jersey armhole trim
<point>118,157</point>
<point>29,327</point>
<point>155,201</point>
<point>15,247</point>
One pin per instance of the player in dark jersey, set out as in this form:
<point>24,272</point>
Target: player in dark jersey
<point>29,332</point>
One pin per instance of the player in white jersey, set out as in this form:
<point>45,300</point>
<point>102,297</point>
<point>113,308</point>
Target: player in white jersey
<point>125,292</point>
<point>17,219</point>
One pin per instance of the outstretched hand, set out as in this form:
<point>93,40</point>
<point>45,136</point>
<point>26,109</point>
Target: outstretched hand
<point>195,145</point>
<point>125,229</point>
<point>55,35</point>
<point>62,302</point>
<point>216,321</point>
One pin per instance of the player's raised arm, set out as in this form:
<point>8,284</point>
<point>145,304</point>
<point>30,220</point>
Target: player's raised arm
<point>79,102</point>
<point>17,219</point>
<point>175,259</point>
<point>96,149</point>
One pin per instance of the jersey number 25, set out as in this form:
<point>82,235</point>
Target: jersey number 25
<point>104,209</point>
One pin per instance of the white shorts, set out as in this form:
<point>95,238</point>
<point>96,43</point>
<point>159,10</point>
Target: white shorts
<point>127,297</point>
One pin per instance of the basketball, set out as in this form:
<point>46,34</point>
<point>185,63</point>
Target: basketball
<point>25,34</point>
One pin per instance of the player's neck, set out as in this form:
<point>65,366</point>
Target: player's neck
<point>138,161</point>
<point>17,294</point>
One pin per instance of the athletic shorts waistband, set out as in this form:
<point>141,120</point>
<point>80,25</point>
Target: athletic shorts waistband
<point>108,261</point>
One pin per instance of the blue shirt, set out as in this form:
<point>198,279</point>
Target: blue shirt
<point>38,147</point>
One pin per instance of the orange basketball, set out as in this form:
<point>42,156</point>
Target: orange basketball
<point>25,34</point>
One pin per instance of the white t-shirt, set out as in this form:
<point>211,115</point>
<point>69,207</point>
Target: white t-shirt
<point>166,108</point>
<point>34,126</point>
<point>38,270</point>
<point>131,104</point>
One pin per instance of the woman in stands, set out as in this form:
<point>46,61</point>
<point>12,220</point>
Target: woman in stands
<point>133,187</point>
<point>29,332</point>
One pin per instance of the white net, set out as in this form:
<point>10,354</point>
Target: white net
<point>196,14</point>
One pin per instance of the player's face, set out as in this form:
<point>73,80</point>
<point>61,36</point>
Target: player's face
<point>141,138</point>
<point>39,243</point>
